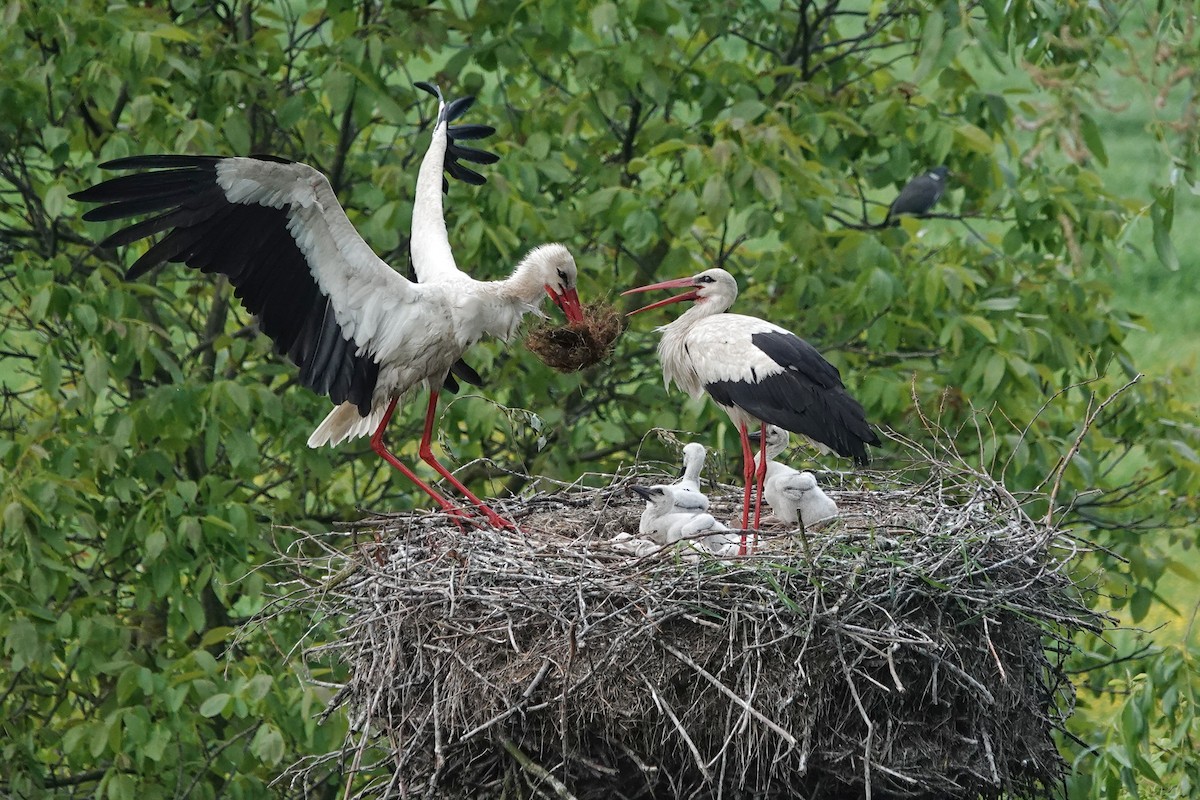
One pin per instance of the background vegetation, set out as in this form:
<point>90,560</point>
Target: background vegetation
<point>153,454</point>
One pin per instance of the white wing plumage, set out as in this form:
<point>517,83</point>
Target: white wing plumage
<point>277,231</point>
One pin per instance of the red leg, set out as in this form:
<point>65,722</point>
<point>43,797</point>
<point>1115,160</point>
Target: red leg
<point>748,479</point>
<point>760,476</point>
<point>426,452</point>
<point>379,447</point>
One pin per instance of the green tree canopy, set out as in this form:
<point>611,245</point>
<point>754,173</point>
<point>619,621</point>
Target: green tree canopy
<point>154,453</point>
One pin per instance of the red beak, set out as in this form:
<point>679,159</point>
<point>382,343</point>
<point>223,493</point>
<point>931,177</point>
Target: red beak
<point>671,284</point>
<point>568,301</point>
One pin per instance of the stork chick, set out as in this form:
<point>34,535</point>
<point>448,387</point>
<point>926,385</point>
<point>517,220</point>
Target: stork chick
<point>687,494</point>
<point>794,496</point>
<point>707,532</point>
<point>660,523</point>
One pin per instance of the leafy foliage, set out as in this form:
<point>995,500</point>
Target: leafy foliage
<point>154,452</point>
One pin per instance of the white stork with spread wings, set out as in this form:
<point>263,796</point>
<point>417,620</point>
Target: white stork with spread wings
<point>358,330</point>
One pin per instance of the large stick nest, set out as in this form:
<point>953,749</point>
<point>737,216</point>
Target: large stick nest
<point>917,655</point>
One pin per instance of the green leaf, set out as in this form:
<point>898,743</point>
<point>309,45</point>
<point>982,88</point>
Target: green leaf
<point>982,325</point>
<point>156,542</point>
<point>120,786</point>
<point>1092,138</point>
<point>258,686</point>
<point>716,199</point>
<point>55,200</point>
<point>22,643</point>
<point>14,518</point>
<point>604,18</point>
<point>215,704</point>
<point>973,138</point>
<point>1162,216</point>
<point>766,182</point>
<point>237,132</point>
<point>930,48</point>
<point>1139,604</point>
<point>993,373</point>
<point>173,33</point>
<point>95,372</point>
<point>267,745</point>
<point>1000,303</point>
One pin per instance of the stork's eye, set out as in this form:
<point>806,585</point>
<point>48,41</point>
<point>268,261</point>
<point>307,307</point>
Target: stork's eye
<point>705,279</point>
<point>562,275</point>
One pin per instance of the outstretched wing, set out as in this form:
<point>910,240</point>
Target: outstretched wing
<point>456,152</point>
<point>432,259</point>
<point>276,230</point>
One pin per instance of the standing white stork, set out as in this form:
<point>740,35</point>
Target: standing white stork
<point>758,372</point>
<point>358,330</point>
<point>794,496</point>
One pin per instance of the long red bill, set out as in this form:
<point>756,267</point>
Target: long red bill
<point>568,301</point>
<point>674,283</point>
<point>671,284</point>
<point>679,298</point>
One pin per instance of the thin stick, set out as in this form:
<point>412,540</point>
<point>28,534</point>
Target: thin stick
<point>725,690</point>
<point>1074,449</point>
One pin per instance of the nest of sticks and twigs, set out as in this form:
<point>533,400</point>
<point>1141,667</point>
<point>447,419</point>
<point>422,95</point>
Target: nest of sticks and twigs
<point>918,654</point>
<point>570,348</point>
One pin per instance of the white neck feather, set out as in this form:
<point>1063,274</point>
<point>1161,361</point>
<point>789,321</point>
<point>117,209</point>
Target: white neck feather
<point>527,284</point>
<point>672,351</point>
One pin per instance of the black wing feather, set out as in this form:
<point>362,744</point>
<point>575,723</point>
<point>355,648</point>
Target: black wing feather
<point>462,133</point>
<point>248,243</point>
<point>806,397</point>
<point>793,353</point>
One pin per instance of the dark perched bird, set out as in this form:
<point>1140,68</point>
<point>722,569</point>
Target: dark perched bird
<point>359,331</point>
<point>759,373</point>
<point>918,195</point>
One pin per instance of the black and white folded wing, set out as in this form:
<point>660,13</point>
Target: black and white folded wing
<point>773,375</point>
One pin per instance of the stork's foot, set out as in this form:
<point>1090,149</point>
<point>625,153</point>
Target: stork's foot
<point>485,518</point>
<point>749,541</point>
<point>497,521</point>
<point>461,519</point>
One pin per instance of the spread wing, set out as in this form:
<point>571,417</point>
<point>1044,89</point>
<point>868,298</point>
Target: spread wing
<point>432,259</point>
<point>276,230</point>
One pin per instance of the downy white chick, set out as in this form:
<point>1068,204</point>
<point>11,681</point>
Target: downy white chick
<point>633,545</point>
<point>660,523</point>
<point>688,497</point>
<point>794,496</point>
<point>705,531</point>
